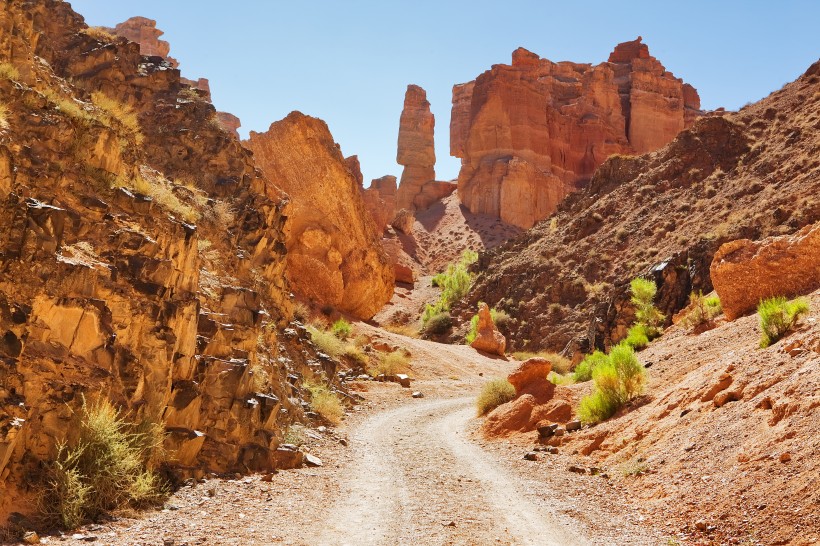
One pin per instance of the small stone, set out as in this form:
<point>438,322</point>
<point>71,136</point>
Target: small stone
<point>449,524</point>
<point>531,456</point>
<point>785,457</point>
<point>552,450</point>
<point>312,460</point>
<point>168,542</point>
<point>418,394</point>
<point>268,477</point>
<point>559,432</point>
<point>577,469</point>
<point>343,441</point>
<point>573,425</point>
<point>212,491</point>
<point>594,470</point>
<point>403,380</point>
<point>31,538</point>
<point>547,430</point>
<point>322,429</point>
<point>701,525</point>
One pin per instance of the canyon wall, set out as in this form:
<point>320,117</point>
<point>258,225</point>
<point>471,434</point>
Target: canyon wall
<point>142,259</point>
<point>531,132</point>
<point>334,251</point>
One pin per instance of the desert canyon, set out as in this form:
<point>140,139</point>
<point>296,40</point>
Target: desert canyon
<point>605,330</point>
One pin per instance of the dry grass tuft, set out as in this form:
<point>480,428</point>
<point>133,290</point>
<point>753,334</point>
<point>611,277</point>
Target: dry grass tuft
<point>494,393</point>
<point>325,402</point>
<point>9,72</point>
<point>115,114</point>
<point>99,34</point>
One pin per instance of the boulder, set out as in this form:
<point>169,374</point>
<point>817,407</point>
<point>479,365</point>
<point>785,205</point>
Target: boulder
<point>404,221</point>
<point>334,252</point>
<point>530,375</point>
<point>745,272</point>
<point>531,132</point>
<point>488,339</point>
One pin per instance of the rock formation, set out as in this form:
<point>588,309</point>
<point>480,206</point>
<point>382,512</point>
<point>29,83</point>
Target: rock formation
<point>745,272</point>
<point>147,269</point>
<point>488,339</point>
<point>531,132</point>
<point>334,254</point>
<point>229,122</point>
<point>418,187</point>
<point>144,31</point>
<point>380,200</point>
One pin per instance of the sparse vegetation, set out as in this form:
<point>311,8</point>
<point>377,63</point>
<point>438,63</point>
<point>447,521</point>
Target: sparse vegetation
<point>494,393</point>
<point>454,284</point>
<point>703,311</point>
<point>325,402</point>
<point>643,292</point>
<point>407,330</point>
<point>68,106</point>
<point>778,316</point>
<point>390,364</point>
<point>301,312</point>
<point>560,379</point>
<point>617,381</point>
<point>583,371</point>
<point>161,191</point>
<point>115,114</point>
<point>326,342</point>
<point>638,336</point>
<point>9,72</point>
<point>341,329</point>
<point>438,324</point>
<point>99,34</point>
<point>110,465</point>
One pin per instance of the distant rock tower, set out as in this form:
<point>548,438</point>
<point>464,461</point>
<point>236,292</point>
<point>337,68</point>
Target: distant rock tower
<point>416,150</point>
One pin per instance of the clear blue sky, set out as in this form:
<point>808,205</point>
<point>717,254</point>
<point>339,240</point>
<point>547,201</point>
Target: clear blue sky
<point>349,62</point>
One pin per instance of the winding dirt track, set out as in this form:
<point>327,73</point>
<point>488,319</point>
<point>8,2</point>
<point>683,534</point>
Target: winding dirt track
<point>419,480</point>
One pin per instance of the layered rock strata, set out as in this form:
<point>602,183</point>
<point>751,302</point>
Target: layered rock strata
<point>531,132</point>
<point>334,252</point>
<point>142,262</point>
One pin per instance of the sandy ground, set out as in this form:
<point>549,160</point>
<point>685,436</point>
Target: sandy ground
<point>414,472</point>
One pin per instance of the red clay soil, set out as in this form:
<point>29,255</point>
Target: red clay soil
<point>723,448</point>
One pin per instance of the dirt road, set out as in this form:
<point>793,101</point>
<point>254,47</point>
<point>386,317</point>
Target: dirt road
<point>418,480</point>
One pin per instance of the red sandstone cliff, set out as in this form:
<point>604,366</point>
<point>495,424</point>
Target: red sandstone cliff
<point>531,132</point>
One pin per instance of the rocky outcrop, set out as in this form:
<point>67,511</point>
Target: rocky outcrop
<point>416,150</point>
<point>229,122</point>
<point>147,269</point>
<point>531,132</point>
<point>380,200</point>
<point>334,254</point>
<point>661,215</point>
<point>530,377</point>
<point>488,339</point>
<point>745,272</point>
<point>144,31</point>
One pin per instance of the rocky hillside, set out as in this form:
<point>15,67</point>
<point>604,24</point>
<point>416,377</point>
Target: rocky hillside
<point>531,132</point>
<point>748,174</point>
<point>142,258</point>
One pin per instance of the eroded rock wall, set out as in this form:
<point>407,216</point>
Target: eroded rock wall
<point>334,252</point>
<point>143,264</point>
<point>531,132</point>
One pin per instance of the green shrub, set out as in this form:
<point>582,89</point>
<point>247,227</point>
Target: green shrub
<point>643,295</point>
<point>494,393</point>
<point>583,371</point>
<point>703,310</point>
<point>616,381</point>
<point>454,283</point>
<point>778,316</point>
<point>438,324</point>
<point>341,329</point>
<point>560,379</point>
<point>638,336</point>
<point>325,402</point>
<point>111,465</point>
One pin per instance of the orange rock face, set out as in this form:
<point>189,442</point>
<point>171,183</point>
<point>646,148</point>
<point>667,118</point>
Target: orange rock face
<point>144,31</point>
<point>380,200</point>
<point>744,272</point>
<point>415,147</point>
<point>334,254</point>
<point>229,122</point>
<point>489,339</point>
<point>533,131</point>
